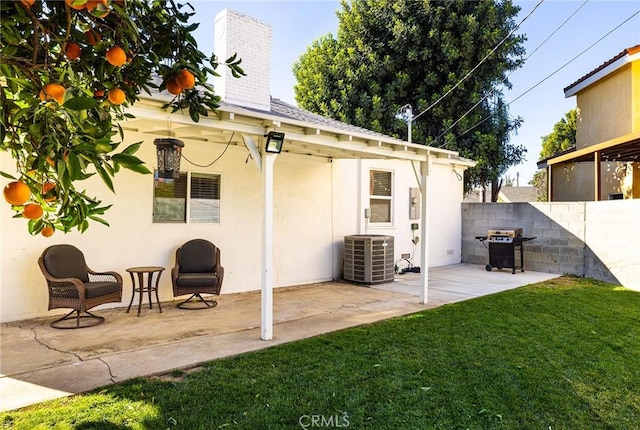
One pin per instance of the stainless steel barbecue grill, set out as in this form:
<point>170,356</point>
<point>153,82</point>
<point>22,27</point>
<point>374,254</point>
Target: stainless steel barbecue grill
<point>502,245</point>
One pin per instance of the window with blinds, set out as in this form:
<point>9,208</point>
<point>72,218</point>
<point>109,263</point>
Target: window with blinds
<point>204,204</point>
<point>380,196</point>
<point>199,192</point>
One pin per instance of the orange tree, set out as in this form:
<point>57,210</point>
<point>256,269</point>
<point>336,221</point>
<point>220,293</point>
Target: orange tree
<point>69,69</point>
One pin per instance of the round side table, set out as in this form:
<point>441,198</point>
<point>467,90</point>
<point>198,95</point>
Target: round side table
<point>141,288</point>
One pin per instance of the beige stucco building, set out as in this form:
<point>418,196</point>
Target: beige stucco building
<point>605,164</point>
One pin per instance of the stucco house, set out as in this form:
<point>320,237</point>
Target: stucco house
<point>517,194</point>
<point>605,164</point>
<point>279,219</point>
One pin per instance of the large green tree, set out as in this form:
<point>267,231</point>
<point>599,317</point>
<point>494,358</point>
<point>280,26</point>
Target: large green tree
<point>562,137</point>
<point>69,70</point>
<point>392,53</point>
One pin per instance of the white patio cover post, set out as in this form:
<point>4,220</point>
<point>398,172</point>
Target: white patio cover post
<point>425,166</point>
<point>268,160</point>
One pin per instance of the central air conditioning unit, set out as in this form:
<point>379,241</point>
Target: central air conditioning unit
<point>369,259</point>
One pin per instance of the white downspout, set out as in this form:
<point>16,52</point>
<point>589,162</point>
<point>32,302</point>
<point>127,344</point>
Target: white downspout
<point>266,307</point>
<point>425,167</point>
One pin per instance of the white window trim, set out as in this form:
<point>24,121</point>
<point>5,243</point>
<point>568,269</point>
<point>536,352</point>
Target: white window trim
<point>187,220</point>
<point>391,199</point>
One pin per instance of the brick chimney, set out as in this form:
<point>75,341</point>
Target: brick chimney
<point>251,39</point>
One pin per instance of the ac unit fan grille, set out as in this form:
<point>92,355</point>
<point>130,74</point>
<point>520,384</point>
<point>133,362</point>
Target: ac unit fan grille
<point>369,259</point>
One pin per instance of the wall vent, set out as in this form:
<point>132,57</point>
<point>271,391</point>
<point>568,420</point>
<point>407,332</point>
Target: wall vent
<point>369,259</point>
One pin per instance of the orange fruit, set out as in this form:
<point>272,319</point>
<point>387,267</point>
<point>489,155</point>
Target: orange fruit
<point>76,4</point>
<point>117,96</point>
<point>185,79</point>
<point>27,3</point>
<point>32,211</point>
<point>93,37</point>
<point>16,193</point>
<point>46,187</point>
<point>47,231</point>
<point>72,51</point>
<point>53,91</point>
<point>93,4</point>
<point>98,94</point>
<point>173,87</point>
<point>116,56</point>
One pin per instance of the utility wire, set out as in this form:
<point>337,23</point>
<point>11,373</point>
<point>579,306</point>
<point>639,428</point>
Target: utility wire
<point>574,58</point>
<point>219,156</point>
<point>507,77</point>
<point>554,72</point>
<point>480,63</point>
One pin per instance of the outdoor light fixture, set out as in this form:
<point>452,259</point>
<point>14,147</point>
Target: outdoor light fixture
<point>275,140</point>
<point>169,153</point>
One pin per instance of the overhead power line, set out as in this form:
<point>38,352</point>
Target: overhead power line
<point>554,72</point>
<point>574,58</point>
<point>480,63</point>
<point>507,77</point>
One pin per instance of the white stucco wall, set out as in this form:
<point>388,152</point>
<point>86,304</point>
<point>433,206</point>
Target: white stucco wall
<point>316,203</point>
<point>445,191</point>
<point>445,223</point>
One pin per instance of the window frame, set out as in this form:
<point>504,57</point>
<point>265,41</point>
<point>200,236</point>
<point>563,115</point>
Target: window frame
<point>390,198</point>
<point>187,199</point>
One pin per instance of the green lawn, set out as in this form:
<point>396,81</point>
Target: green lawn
<point>563,354</point>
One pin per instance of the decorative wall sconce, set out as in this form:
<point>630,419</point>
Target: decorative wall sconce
<point>169,152</point>
<point>275,140</point>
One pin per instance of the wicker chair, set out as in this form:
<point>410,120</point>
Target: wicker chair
<point>73,285</point>
<point>197,271</point>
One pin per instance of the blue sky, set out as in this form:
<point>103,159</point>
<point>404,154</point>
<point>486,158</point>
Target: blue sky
<point>297,23</point>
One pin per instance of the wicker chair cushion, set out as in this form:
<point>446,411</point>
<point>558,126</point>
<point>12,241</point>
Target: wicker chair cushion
<point>97,289</point>
<point>66,261</point>
<point>92,290</point>
<point>203,280</point>
<point>197,256</point>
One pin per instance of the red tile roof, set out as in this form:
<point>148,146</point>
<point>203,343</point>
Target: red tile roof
<point>628,51</point>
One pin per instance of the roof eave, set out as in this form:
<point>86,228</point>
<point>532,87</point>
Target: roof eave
<point>375,141</point>
<point>599,73</point>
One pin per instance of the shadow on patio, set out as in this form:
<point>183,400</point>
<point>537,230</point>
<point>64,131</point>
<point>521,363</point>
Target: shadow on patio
<point>38,362</point>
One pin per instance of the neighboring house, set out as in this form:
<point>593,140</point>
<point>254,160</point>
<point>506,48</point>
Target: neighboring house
<point>278,222</point>
<point>605,164</point>
<point>517,194</point>
<point>475,196</point>
<point>506,195</point>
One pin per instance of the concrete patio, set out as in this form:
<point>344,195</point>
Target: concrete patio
<point>39,363</point>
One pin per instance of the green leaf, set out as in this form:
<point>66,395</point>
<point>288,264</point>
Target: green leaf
<point>80,103</point>
<point>104,176</point>
<point>193,113</point>
<point>73,166</point>
<point>139,168</point>
<point>100,220</point>
<point>126,159</point>
<point>132,149</point>
<point>192,27</point>
<point>6,175</point>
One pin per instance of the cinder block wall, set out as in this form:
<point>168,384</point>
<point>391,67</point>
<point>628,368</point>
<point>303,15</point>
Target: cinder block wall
<point>593,239</point>
<point>612,236</point>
